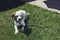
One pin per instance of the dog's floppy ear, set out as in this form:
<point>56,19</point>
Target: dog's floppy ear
<point>13,15</point>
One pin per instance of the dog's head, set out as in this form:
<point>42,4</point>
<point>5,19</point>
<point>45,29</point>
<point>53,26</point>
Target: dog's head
<point>17,17</point>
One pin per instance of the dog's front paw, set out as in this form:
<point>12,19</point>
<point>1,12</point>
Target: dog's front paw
<point>16,32</point>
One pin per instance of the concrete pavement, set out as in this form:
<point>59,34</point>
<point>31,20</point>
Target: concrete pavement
<point>52,5</point>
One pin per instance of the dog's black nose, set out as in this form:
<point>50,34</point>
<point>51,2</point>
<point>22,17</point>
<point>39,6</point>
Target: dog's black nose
<point>19,19</point>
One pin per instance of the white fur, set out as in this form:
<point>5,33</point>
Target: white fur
<point>19,13</point>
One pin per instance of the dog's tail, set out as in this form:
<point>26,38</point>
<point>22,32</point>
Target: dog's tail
<point>28,13</point>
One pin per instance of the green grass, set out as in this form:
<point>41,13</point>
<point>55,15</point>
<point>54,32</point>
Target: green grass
<point>45,24</point>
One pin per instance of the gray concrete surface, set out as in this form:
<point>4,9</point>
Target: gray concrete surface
<point>52,5</point>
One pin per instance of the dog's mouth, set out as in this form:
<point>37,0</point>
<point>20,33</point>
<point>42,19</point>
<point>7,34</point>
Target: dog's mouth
<point>18,21</point>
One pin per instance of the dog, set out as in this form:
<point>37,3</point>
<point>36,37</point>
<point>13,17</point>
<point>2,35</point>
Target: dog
<point>19,18</point>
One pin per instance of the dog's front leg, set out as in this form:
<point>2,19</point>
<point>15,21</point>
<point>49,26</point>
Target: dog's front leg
<point>16,29</point>
<point>23,25</point>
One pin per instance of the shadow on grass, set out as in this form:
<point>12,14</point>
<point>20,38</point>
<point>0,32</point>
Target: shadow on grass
<point>55,4</point>
<point>27,30</point>
<point>8,4</point>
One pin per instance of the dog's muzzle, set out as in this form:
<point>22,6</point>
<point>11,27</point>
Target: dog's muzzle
<point>19,19</point>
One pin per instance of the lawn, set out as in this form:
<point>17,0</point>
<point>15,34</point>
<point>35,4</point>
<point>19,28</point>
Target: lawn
<point>42,24</point>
